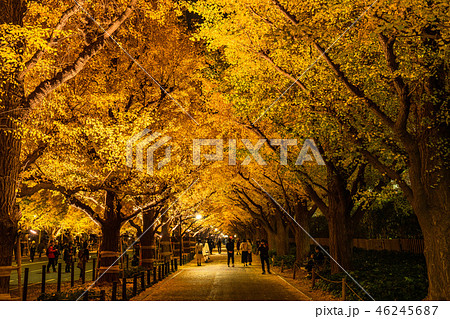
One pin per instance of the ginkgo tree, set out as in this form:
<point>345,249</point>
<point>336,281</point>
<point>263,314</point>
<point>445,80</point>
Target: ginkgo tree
<point>29,31</point>
<point>383,85</point>
<point>87,127</point>
<point>49,212</point>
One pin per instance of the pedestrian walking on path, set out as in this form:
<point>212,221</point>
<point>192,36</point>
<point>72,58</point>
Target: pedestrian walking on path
<point>230,251</point>
<point>264,255</point>
<point>32,250</point>
<point>83,257</point>
<point>249,249</point>
<point>199,252</point>
<point>51,254</point>
<point>211,245</point>
<point>68,257</point>
<point>206,251</point>
<point>238,246</point>
<point>244,250</point>
<point>40,249</point>
<point>219,246</point>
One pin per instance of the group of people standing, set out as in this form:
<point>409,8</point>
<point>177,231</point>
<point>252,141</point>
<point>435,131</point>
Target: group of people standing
<point>53,252</point>
<point>244,248</point>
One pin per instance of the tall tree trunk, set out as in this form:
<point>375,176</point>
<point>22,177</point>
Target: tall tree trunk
<point>302,240</point>
<point>11,99</point>
<point>148,243</point>
<point>281,237</point>
<point>10,146</point>
<point>109,252</point>
<point>271,239</point>
<point>302,215</point>
<point>340,239</point>
<point>109,247</point>
<point>430,202</point>
<point>9,214</point>
<point>340,225</point>
<point>166,248</point>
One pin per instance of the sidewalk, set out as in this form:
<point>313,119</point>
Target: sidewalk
<point>216,281</point>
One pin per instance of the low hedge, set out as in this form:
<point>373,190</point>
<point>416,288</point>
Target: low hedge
<point>385,275</point>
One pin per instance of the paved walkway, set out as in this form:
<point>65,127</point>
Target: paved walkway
<point>216,281</point>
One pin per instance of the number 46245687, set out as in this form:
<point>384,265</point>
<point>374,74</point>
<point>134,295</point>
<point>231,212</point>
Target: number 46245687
<point>407,310</point>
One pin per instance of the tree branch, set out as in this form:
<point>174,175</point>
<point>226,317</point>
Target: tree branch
<point>51,41</point>
<point>33,156</point>
<point>284,72</point>
<point>401,88</point>
<point>47,86</point>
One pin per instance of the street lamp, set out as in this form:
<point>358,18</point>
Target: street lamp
<point>198,216</point>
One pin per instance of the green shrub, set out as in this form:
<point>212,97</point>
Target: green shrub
<point>272,253</point>
<point>289,261</point>
<point>385,275</point>
<point>129,273</point>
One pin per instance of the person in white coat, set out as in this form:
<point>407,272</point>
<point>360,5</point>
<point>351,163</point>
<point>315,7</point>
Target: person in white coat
<point>206,251</point>
<point>199,252</point>
<point>244,249</point>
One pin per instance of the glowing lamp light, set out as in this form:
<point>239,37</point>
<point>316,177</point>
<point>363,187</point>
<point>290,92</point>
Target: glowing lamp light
<point>198,216</point>
<point>33,232</point>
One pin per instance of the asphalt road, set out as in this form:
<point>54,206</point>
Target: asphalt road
<point>35,272</point>
<point>216,281</point>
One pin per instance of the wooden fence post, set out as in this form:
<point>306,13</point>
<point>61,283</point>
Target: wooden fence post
<point>176,264</point>
<point>154,275</point>
<point>72,274</point>
<point>282,265</point>
<point>124,288</point>
<point>171,265</point>
<point>25,284</point>
<point>19,265</point>
<point>134,285</point>
<point>58,285</point>
<point>343,289</point>
<point>142,281</point>
<point>148,277</point>
<point>102,295</point>
<point>44,271</point>
<point>114,291</point>
<point>93,268</point>
<point>159,272</point>
<point>313,277</point>
<point>83,273</point>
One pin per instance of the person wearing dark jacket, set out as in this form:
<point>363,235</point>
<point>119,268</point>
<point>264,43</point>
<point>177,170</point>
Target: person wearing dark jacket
<point>219,246</point>
<point>211,246</point>
<point>230,251</point>
<point>51,254</point>
<point>83,257</point>
<point>32,250</point>
<point>319,258</point>
<point>264,255</point>
<point>68,257</point>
